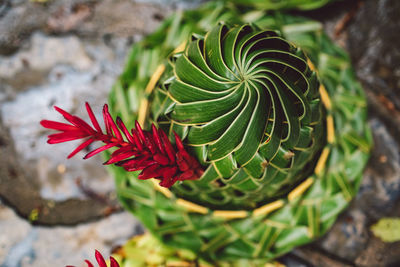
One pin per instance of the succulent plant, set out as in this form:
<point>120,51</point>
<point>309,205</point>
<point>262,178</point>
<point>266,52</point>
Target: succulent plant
<point>265,133</point>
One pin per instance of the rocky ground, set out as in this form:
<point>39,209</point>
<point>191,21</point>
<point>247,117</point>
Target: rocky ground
<point>54,212</point>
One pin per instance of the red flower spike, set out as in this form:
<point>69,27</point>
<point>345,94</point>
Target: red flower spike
<point>148,151</point>
<point>100,261</point>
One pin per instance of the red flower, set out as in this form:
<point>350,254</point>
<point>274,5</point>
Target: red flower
<point>148,151</point>
<point>100,260</point>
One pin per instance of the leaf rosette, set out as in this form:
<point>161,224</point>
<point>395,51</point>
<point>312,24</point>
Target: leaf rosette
<point>247,103</point>
<point>282,153</point>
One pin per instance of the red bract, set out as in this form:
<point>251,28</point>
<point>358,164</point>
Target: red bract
<point>100,261</point>
<point>148,151</point>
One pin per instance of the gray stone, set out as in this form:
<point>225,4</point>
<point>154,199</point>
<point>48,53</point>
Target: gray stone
<point>24,245</point>
<point>77,72</point>
<point>64,71</point>
<point>44,53</point>
<point>13,232</point>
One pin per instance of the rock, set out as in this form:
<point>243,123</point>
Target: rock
<point>378,197</point>
<point>124,18</point>
<point>26,245</point>
<point>36,179</point>
<point>86,18</point>
<point>43,54</point>
<point>17,23</point>
<point>348,237</point>
<point>14,231</point>
<point>368,36</point>
<point>380,191</point>
<point>378,253</point>
<point>73,72</point>
<point>375,48</point>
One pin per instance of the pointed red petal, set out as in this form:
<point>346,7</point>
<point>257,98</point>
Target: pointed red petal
<point>150,143</point>
<point>131,162</point>
<point>66,115</point>
<point>98,150</point>
<point>136,164</point>
<point>142,165</point>
<point>185,155</point>
<point>100,260</point>
<point>120,157</point>
<point>80,147</point>
<point>178,142</point>
<point>199,172</point>
<point>78,122</point>
<point>169,172</point>
<point>112,123</point>
<point>168,146</point>
<point>106,121</point>
<point>122,126</point>
<point>122,150</point>
<point>140,132</point>
<point>89,264</point>
<point>136,139</point>
<point>57,125</point>
<point>66,136</point>
<point>113,262</point>
<point>168,182</point>
<point>183,165</point>
<point>93,118</point>
<point>186,175</point>
<point>156,138</point>
<point>161,159</point>
<point>83,125</point>
<point>151,171</point>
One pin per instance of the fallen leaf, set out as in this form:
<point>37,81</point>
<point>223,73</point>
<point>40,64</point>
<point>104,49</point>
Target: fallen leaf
<point>387,229</point>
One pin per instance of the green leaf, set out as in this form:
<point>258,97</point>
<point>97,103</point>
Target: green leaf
<point>189,73</point>
<point>205,111</point>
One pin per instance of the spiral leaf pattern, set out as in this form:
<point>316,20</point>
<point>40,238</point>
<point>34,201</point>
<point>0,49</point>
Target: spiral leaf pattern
<point>247,97</point>
<point>285,195</point>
